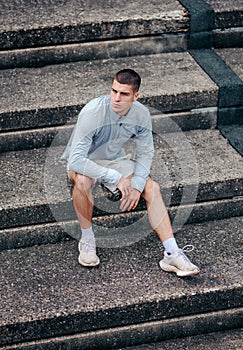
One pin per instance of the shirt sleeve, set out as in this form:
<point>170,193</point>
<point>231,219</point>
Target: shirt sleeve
<point>79,162</point>
<point>144,155</point>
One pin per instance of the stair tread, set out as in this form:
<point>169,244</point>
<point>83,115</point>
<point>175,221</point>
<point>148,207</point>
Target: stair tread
<point>46,287</point>
<point>47,13</point>
<point>202,118</point>
<point>30,96</point>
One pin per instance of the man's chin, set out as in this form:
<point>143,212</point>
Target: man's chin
<point>117,110</point>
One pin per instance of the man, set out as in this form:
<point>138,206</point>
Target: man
<point>95,152</point>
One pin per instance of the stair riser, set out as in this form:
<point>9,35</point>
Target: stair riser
<point>29,119</point>
<point>183,306</point>
<point>144,333</point>
<point>232,37</point>
<point>20,140</point>
<point>38,57</point>
<point>52,232</point>
<point>91,31</point>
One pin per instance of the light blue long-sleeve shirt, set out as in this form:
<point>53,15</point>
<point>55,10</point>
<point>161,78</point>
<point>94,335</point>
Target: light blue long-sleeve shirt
<point>100,133</point>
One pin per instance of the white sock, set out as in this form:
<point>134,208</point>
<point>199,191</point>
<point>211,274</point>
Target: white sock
<point>170,245</point>
<point>87,233</point>
<point>88,237</point>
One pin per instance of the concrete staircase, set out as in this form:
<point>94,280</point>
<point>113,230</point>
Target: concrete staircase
<point>57,55</point>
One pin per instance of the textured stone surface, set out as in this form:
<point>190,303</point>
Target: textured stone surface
<point>229,83</point>
<point>56,232</point>
<point>181,165</point>
<point>203,118</point>
<point>234,133</point>
<point>45,292</point>
<point>35,57</point>
<point>44,23</point>
<point>228,38</point>
<point>184,328</point>
<point>227,13</point>
<point>230,340</point>
<point>233,58</point>
<point>41,96</point>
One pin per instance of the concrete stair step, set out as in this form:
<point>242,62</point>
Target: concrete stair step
<point>213,24</point>
<point>47,23</point>
<point>225,12</point>
<point>228,340</point>
<point>49,301</point>
<point>194,166</point>
<point>161,332</point>
<point>61,231</point>
<point>50,33</point>
<point>94,50</point>
<point>52,95</point>
<point>201,118</point>
<point>234,133</point>
<point>225,68</point>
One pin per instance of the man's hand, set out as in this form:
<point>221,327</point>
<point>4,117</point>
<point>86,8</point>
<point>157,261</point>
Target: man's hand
<point>125,186</point>
<point>131,201</point>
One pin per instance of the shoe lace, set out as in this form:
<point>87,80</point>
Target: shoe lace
<point>186,249</point>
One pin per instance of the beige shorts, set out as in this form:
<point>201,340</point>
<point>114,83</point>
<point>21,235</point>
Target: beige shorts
<point>124,165</point>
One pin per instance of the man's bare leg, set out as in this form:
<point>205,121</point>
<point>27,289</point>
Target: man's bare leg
<point>83,203</point>
<point>174,258</point>
<point>82,198</point>
<point>157,212</point>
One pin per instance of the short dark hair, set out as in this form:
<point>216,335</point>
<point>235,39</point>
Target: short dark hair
<point>130,77</point>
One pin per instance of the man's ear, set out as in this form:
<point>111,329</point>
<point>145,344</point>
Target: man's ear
<point>136,96</point>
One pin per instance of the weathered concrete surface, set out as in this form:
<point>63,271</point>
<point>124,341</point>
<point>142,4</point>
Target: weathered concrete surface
<point>56,232</point>
<point>227,13</point>
<point>234,133</point>
<point>202,118</point>
<point>41,56</point>
<point>53,94</point>
<point>233,58</point>
<point>46,293</point>
<point>192,166</point>
<point>48,23</point>
<point>145,334</point>
<point>229,83</point>
<point>232,37</point>
<point>230,340</point>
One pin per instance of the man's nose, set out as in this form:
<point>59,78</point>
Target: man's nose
<point>118,96</point>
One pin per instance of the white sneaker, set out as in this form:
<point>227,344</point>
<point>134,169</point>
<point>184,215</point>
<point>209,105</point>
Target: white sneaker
<point>179,263</point>
<point>87,254</point>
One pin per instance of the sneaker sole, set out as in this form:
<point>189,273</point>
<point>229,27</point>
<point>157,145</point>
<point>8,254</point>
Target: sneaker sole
<point>179,273</point>
<point>93,264</point>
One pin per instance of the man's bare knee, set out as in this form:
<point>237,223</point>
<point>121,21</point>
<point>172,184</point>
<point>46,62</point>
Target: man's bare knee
<point>151,190</point>
<point>81,182</point>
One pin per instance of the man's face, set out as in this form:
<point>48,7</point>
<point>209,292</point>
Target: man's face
<point>122,97</point>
